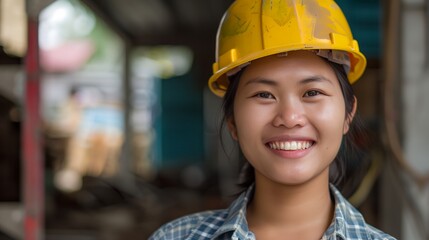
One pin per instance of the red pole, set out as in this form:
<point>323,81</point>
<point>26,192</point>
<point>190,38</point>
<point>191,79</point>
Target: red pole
<point>33,163</point>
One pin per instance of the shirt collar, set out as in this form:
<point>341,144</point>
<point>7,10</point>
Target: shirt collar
<point>346,218</point>
<point>236,219</point>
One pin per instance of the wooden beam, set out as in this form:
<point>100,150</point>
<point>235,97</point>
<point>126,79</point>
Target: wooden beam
<point>186,38</point>
<point>109,21</point>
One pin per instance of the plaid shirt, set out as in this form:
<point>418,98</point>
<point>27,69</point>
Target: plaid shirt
<point>348,224</point>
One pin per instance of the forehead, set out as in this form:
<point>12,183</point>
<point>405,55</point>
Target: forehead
<point>295,64</point>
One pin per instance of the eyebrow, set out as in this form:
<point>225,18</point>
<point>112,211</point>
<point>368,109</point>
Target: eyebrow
<point>317,78</point>
<point>261,81</point>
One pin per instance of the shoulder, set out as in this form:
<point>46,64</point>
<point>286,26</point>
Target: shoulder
<point>350,224</point>
<point>182,227</point>
<point>376,234</point>
<point>210,224</point>
<point>360,229</point>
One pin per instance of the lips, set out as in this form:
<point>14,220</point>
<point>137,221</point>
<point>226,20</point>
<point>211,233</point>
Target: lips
<point>290,145</point>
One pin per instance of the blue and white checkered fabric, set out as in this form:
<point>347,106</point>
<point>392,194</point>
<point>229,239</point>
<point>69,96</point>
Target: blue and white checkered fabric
<point>348,224</point>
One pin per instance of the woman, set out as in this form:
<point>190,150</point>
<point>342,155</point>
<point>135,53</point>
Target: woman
<point>284,69</point>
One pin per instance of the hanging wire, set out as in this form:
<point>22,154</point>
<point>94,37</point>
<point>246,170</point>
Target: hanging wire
<point>367,183</point>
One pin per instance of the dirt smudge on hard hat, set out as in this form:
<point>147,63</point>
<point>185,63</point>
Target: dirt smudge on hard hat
<point>239,22</point>
<point>235,26</point>
<point>279,10</point>
<point>324,23</point>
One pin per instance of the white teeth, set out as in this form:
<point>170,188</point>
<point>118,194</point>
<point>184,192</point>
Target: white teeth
<point>291,145</point>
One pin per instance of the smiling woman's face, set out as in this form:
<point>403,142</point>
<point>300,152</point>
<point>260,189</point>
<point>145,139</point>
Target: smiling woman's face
<point>289,117</point>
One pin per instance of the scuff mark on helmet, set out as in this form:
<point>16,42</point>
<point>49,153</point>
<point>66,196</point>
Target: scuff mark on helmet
<point>323,22</point>
<point>235,25</point>
<point>281,14</point>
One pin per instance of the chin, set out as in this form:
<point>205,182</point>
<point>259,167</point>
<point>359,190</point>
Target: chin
<point>290,180</point>
<point>296,179</point>
<point>294,182</point>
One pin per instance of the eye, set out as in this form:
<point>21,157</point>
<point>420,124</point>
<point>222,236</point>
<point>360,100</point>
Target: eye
<point>266,95</point>
<point>312,93</point>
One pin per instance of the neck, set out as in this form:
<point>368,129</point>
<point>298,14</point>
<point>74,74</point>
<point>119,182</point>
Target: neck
<point>290,208</point>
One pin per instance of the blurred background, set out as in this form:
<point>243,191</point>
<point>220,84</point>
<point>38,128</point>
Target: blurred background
<point>108,129</point>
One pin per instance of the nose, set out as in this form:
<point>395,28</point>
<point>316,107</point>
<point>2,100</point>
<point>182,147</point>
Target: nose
<point>290,114</point>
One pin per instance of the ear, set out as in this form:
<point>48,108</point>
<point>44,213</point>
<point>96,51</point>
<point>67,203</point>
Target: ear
<point>350,117</point>
<point>232,128</point>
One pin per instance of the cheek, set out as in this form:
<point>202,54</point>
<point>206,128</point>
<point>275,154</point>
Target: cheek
<point>249,119</point>
<point>330,120</point>
<point>244,120</point>
<point>332,117</point>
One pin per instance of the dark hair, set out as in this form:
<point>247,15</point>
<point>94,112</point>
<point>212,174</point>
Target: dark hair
<point>345,165</point>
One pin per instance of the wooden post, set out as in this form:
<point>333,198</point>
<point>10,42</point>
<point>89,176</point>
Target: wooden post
<point>33,163</point>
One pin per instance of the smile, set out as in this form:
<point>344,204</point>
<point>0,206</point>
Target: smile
<point>290,145</point>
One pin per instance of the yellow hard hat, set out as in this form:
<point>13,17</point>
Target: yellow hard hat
<point>252,29</point>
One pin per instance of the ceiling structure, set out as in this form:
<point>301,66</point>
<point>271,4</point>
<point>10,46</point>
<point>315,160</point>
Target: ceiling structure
<point>153,22</point>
